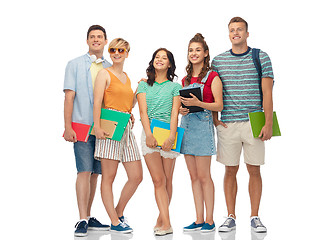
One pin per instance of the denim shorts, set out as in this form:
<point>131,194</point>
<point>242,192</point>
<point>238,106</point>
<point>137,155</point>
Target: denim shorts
<point>84,155</point>
<point>198,138</point>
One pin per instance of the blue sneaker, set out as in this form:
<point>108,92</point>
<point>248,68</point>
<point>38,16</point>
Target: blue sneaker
<point>257,225</point>
<point>228,225</point>
<point>193,227</point>
<point>94,224</point>
<point>208,228</point>
<point>124,220</point>
<point>121,228</point>
<point>81,229</point>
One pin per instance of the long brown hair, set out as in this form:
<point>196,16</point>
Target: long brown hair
<point>206,66</point>
<point>151,72</point>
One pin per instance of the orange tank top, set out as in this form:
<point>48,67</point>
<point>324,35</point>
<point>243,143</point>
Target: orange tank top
<point>118,95</point>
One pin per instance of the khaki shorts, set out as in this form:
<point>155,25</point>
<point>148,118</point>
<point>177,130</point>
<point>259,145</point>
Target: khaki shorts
<point>232,139</point>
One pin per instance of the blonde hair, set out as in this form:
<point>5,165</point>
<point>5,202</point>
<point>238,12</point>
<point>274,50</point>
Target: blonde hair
<point>119,42</point>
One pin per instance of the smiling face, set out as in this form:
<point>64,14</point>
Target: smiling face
<point>196,53</point>
<point>238,33</point>
<point>119,55</point>
<point>96,42</point>
<point>161,61</point>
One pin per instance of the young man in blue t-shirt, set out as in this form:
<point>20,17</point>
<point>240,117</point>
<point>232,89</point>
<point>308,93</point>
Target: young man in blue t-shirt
<point>243,92</point>
<point>78,107</point>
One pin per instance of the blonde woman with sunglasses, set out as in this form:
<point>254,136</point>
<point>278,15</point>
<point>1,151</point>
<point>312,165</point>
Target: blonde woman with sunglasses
<point>113,87</point>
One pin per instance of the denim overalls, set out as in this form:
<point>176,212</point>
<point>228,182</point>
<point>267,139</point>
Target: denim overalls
<point>198,139</point>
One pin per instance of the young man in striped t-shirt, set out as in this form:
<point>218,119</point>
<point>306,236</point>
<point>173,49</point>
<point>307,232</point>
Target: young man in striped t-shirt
<point>242,93</point>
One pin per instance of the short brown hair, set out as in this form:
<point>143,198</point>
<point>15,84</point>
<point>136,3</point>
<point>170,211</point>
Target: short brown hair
<point>238,19</point>
<point>96,27</point>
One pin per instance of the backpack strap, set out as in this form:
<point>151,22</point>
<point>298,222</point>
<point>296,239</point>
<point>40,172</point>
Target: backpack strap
<point>258,66</point>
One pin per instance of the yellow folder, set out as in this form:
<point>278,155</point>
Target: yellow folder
<point>161,135</point>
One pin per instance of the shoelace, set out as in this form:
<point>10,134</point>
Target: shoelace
<point>78,223</point>
<point>95,220</point>
<point>258,222</point>
<point>228,221</point>
<point>123,224</point>
<point>125,220</point>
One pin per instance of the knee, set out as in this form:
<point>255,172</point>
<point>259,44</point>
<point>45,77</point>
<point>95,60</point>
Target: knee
<point>231,171</point>
<point>108,178</point>
<point>204,178</point>
<point>159,181</point>
<point>136,179</point>
<point>254,171</point>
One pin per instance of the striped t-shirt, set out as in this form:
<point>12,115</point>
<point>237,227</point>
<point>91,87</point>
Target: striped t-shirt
<point>241,88</point>
<point>159,99</point>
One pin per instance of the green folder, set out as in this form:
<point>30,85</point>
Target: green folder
<point>257,121</point>
<point>115,116</point>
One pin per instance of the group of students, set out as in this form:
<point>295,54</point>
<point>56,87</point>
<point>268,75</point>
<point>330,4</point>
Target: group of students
<point>231,86</point>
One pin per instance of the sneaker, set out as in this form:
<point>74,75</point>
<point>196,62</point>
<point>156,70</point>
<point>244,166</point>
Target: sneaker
<point>193,227</point>
<point>94,224</point>
<point>121,228</point>
<point>257,225</point>
<point>161,232</point>
<point>124,220</point>
<point>81,229</point>
<point>228,225</point>
<point>208,228</point>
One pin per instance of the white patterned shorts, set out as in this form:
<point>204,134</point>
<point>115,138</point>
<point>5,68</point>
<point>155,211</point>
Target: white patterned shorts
<point>124,151</point>
<point>147,150</point>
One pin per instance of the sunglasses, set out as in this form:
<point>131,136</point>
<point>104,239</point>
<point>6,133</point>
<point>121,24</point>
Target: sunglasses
<point>120,50</point>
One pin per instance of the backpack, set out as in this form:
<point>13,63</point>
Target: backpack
<point>258,66</point>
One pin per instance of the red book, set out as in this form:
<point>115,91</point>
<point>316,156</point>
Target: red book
<point>81,130</point>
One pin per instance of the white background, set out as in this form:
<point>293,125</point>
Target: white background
<point>37,182</point>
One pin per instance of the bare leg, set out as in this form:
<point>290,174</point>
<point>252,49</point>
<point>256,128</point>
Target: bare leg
<point>83,193</point>
<point>255,188</point>
<point>230,188</point>
<point>93,186</point>
<point>135,175</point>
<point>204,175</point>
<point>196,188</point>
<point>168,165</point>
<point>156,169</point>
<point>109,168</point>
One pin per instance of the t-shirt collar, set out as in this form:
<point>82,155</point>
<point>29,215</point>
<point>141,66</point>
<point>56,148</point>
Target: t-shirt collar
<point>241,54</point>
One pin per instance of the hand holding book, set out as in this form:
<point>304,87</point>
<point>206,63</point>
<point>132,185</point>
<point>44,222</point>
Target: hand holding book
<point>193,101</point>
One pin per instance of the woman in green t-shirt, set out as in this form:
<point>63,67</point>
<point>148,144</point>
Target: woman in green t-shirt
<point>158,98</point>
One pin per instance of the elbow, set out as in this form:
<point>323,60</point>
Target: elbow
<point>220,107</point>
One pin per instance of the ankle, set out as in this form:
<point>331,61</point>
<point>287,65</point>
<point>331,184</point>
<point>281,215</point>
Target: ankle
<point>231,215</point>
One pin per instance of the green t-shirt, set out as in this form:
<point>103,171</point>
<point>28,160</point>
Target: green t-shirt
<point>159,99</point>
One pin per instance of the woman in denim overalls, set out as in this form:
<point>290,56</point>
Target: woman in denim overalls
<point>198,143</point>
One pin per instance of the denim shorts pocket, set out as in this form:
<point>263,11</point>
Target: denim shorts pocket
<point>204,116</point>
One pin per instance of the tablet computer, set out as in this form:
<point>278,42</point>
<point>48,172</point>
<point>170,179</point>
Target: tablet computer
<point>186,93</point>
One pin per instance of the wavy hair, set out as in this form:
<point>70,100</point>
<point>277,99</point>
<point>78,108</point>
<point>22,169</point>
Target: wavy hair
<point>151,72</point>
<point>198,38</point>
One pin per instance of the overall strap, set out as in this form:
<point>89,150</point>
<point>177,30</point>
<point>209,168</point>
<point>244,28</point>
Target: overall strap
<point>206,77</point>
